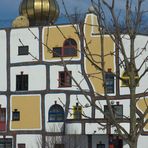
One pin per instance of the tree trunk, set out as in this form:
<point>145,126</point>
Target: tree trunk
<point>133,144</point>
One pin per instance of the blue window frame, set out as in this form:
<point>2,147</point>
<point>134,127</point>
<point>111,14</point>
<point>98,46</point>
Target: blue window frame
<point>56,113</point>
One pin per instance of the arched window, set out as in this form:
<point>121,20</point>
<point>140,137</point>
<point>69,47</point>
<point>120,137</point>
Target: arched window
<point>69,49</point>
<point>56,113</point>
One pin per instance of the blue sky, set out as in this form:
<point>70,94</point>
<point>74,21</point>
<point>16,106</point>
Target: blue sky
<point>9,9</point>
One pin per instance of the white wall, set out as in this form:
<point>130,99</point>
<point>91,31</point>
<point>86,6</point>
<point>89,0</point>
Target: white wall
<point>31,141</point>
<point>73,128</point>
<point>140,42</point>
<point>3,101</point>
<point>76,73</point>
<point>94,128</point>
<point>3,52</point>
<point>36,76</point>
<point>27,38</point>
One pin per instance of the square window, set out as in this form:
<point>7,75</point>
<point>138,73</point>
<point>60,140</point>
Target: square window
<point>21,82</point>
<point>15,115</point>
<point>57,51</point>
<point>65,79</point>
<point>23,50</point>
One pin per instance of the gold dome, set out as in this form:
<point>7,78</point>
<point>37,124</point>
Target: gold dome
<point>40,12</point>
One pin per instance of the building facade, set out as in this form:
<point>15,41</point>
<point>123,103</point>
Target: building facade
<point>41,101</point>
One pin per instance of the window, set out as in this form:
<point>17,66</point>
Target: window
<point>69,49</point>
<point>100,145</point>
<point>77,111</point>
<point>21,145</point>
<point>2,119</point>
<point>115,141</point>
<point>59,146</point>
<point>5,143</point>
<point>23,50</point>
<point>57,51</point>
<point>56,113</point>
<point>21,82</point>
<point>126,81</point>
<point>65,79</point>
<point>15,115</point>
<point>109,81</point>
<point>117,110</point>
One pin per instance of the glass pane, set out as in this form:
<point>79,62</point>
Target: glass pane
<point>57,52</point>
<point>70,51</point>
<point>23,50</point>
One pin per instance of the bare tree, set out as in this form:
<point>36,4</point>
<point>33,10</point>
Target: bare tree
<point>118,32</point>
<point>132,19</point>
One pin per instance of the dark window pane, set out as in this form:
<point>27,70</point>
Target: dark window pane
<point>21,145</point>
<point>109,82</point>
<point>69,51</point>
<point>57,52</point>
<point>21,82</point>
<point>15,115</point>
<point>23,50</point>
<point>100,145</point>
<point>64,79</point>
<point>70,42</point>
<point>59,146</point>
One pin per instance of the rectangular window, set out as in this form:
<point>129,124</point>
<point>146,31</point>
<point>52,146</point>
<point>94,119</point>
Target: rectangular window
<point>15,115</point>
<point>23,50</point>
<point>109,81</point>
<point>77,111</point>
<point>2,119</point>
<point>21,145</point>
<point>67,51</point>
<point>100,145</point>
<point>21,82</point>
<point>117,110</point>
<point>59,146</point>
<point>65,79</point>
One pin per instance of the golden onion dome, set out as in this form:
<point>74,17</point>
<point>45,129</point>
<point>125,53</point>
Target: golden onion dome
<point>40,12</point>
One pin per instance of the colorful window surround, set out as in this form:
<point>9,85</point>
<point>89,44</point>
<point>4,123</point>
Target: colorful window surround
<point>56,113</point>
<point>125,82</point>
<point>69,49</point>
<point>77,111</point>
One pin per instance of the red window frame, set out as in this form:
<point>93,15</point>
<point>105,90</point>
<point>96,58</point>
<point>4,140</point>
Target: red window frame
<point>2,119</point>
<point>65,80</point>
